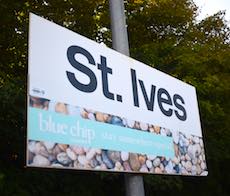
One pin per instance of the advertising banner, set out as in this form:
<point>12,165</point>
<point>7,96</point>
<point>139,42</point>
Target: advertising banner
<point>92,108</point>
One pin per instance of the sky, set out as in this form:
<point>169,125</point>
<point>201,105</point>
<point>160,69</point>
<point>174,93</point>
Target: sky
<point>209,7</point>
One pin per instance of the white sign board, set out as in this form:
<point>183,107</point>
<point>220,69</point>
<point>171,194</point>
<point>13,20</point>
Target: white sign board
<point>89,101</point>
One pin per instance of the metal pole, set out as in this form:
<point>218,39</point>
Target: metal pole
<point>133,183</point>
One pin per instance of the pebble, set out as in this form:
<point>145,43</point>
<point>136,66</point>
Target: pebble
<point>124,156</point>
<point>196,140</point>
<point>188,166</point>
<point>109,164</point>
<point>82,160</point>
<point>94,163</point>
<point>78,150</point>
<point>91,116</point>
<point>90,154</point>
<point>158,170</point>
<point>144,126</point>
<point>163,132</point>
<point>127,166</point>
<point>74,110</point>
<point>100,117</point>
<point>32,146</point>
<point>144,168</point>
<point>151,157</point>
<point>204,173</point>
<point>142,159</point>
<point>157,129</point>
<point>63,158</point>
<point>116,121</point>
<point>99,158</point>
<point>41,161</point>
<point>149,164</point>
<point>56,165</point>
<point>114,156</point>
<point>175,136</point>
<point>156,162</point>
<point>134,162</point>
<point>49,145</point>
<point>130,123</point>
<point>71,154</point>
<point>203,165</point>
<point>176,160</point>
<point>63,147</point>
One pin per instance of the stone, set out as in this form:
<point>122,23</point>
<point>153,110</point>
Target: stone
<point>124,156</point>
<point>84,114</point>
<point>63,158</point>
<point>151,130</point>
<point>177,169</point>
<point>156,162</point>
<point>71,154</point>
<point>157,129</point>
<point>176,160</point>
<point>158,170</point>
<point>90,154</point>
<point>188,166</point>
<point>103,167</point>
<point>118,165</point>
<point>114,156</point>
<point>162,167</point>
<point>49,145</point>
<point>99,158</point>
<point>149,164</point>
<point>130,123</point>
<point>100,117</point>
<point>187,157</point>
<point>116,121</point>
<point>40,149</point>
<point>193,170</point>
<point>151,157</point>
<point>32,147</point>
<point>191,151</point>
<point>134,162</point>
<point>163,132</point>
<point>74,110</point>
<point>203,165</point>
<point>175,136</point>
<point>127,166</point>
<point>169,168</point>
<point>144,126</point>
<point>61,108</point>
<point>176,150</point>
<point>30,157</point>
<point>63,147</point>
<point>201,143</point>
<point>94,163</point>
<point>91,116</point>
<point>144,168</point>
<point>56,150</point>
<point>40,161</point>
<point>142,159</point>
<point>204,173</point>
<point>109,164</point>
<point>82,160</point>
<point>56,165</point>
<point>196,139</point>
<point>78,150</point>
<point>98,151</point>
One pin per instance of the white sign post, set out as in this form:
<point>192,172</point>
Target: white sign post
<point>90,101</point>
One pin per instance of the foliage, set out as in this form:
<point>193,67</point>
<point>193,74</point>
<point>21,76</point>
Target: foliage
<point>171,40</point>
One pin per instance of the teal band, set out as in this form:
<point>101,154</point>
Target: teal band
<point>66,129</point>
